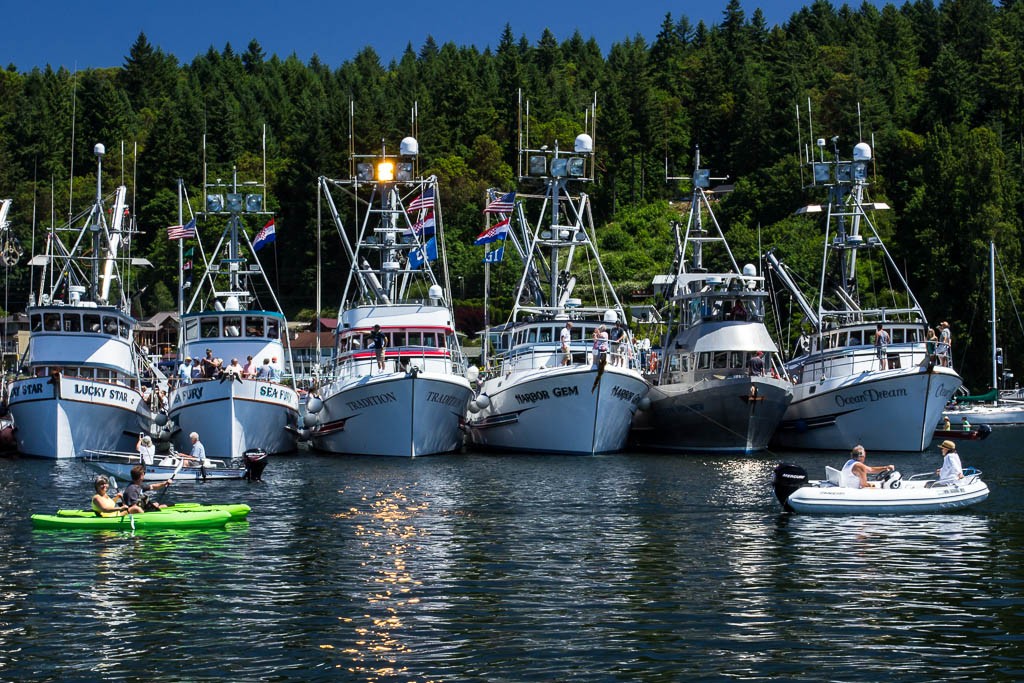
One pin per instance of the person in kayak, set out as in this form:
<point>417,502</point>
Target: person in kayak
<point>105,506</point>
<point>133,493</point>
<point>854,474</point>
<point>951,469</point>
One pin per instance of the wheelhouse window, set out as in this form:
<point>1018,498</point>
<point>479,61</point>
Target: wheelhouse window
<point>736,360</point>
<point>232,326</point>
<point>721,360</point>
<point>273,328</point>
<point>209,327</point>
<point>191,329</point>
<point>72,322</point>
<point>91,322</point>
<point>253,326</point>
<point>51,322</point>
<point>123,329</point>
<point>545,334</point>
<point>704,361</point>
<point>415,339</point>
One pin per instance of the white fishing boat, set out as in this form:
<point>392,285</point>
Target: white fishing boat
<point>120,464</point>
<point>721,385</point>
<point>892,495</point>
<point>999,407</point>
<point>848,390</point>
<point>224,322</point>
<point>412,401</point>
<point>82,389</point>
<point>534,398</point>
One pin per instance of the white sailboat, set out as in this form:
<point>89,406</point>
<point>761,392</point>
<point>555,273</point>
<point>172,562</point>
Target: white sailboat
<point>534,398</point>
<point>410,400</point>
<point>847,390</point>
<point>82,391</point>
<point>225,319</point>
<point>722,386</point>
<point>1003,407</point>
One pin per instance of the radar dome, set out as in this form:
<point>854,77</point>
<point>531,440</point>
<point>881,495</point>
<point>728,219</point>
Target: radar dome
<point>99,150</point>
<point>862,152</point>
<point>435,292</point>
<point>584,144</point>
<point>409,147</point>
<point>610,316</point>
<point>750,270</point>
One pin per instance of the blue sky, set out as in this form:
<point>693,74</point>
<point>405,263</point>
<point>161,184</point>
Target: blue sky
<point>74,33</point>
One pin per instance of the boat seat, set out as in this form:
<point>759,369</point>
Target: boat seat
<point>832,475</point>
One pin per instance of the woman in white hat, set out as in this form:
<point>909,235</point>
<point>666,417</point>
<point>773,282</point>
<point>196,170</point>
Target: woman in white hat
<point>951,469</point>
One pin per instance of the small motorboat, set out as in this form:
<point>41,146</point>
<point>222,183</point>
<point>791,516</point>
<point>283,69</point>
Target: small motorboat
<point>892,495</point>
<point>119,464</point>
<point>977,434</point>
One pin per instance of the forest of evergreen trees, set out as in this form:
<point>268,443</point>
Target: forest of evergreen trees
<point>939,90</point>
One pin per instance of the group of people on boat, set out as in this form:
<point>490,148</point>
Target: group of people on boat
<point>206,368</point>
<point>855,472</point>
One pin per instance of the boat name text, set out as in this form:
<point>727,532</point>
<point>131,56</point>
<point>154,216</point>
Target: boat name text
<point>443,399</point>
<point>869,396</point>
<point>543,395</point>
<point>625,394</point>
<point>191,394</point>
<point>375,400</point>
<point>27,390</point>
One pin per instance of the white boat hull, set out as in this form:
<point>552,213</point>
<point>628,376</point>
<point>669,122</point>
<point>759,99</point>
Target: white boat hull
<point>80,415</point>
<point>396,414</point>
<point>733,415</point>
<point>1002,415</point>
<point>234,416</point>
<point>911,498</point>
<point>121,469</point>
<point>559,410</point>
<point>888,410</point>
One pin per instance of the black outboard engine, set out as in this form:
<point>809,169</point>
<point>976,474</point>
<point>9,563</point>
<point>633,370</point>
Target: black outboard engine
<point>788,478</point>
<point>984,431</point>
<point>255,463</point>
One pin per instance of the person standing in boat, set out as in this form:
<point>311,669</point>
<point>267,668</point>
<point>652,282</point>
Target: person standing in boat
<point>945,423</point>
<point>944,349</point>
<point>185,372</point>
<point>378,341</point>
<point>965,426</point>
<point>951,469</point>
<point>854,474</point>
<point>145,448</point>
<point>565,337</point>
<point>618,343</point>
<point>198,455</point>
<point>755,366</point>
<point>881,346</point>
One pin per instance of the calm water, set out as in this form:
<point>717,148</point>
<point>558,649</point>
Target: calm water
<point>485,568</point>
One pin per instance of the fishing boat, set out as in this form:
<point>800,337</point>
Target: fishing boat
<point>918,494</point>
<point>721,386</point>
<point>397,383</point>
<point>82,389</point>
<point>850,387</point>
<point>119,464</point>
<point>222,326</point>
<point>998,407</point>
<point>535,397</point>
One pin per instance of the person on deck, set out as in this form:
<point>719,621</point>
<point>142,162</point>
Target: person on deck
<point>198,456</point>
<point>755,366</point>
<point>881,346</point>
<point>565,337</point>
<point>378,341</point>
<point>185,372</point>
<point>854,474</point>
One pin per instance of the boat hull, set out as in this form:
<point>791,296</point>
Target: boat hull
<point>559,410</point>
<point>235,416</point>
<point>1002,415</point>
<point>835,500</point>
<point>888,410</point>
<point>191,519</point>
<point>157,473</point>
<point>733,415</point>
<point>394,414</point>
<point>62,417</point>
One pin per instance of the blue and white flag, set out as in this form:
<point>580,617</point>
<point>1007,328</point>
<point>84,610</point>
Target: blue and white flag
<point>495,255</point>
<point>416,255</point>
<point>264,236</point>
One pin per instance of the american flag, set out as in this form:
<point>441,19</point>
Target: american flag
<point>424,201</point>
<point>181,232</point>
<point>502,204</point>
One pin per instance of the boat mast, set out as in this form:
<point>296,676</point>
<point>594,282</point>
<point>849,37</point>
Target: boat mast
<point>992,294</point>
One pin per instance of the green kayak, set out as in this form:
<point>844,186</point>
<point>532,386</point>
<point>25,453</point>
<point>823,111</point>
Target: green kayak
<point>164,519</point>
<point>238,511</point>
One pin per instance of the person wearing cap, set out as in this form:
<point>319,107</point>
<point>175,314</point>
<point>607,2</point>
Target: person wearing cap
<point>565,337</point>
<point>854,474</point>
<point>185,371</point>
<point>951,469</point>
<point>145,448</point>
<point>755,366</point>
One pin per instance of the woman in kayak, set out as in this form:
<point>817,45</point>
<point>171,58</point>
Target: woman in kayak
<point>105,506</point>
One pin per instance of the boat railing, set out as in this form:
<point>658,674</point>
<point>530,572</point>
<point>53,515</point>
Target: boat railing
<point>426,358</point>
<point>166,460</point>
<point>844,361</point>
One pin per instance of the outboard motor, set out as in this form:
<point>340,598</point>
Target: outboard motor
<point>984,431</point>
<point>787,479</point>
<point>255,463</point>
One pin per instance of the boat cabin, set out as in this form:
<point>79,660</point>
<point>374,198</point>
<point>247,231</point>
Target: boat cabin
<point>428,347</point>
<point>234,334</point>
<point>97,338</point>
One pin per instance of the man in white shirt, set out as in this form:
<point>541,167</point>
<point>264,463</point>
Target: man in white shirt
<point>854,474</point>
<point>565,337</point>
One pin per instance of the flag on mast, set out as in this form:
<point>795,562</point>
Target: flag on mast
<point>181,232</point>
<point>265,236</point>
<point>498,231</point>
